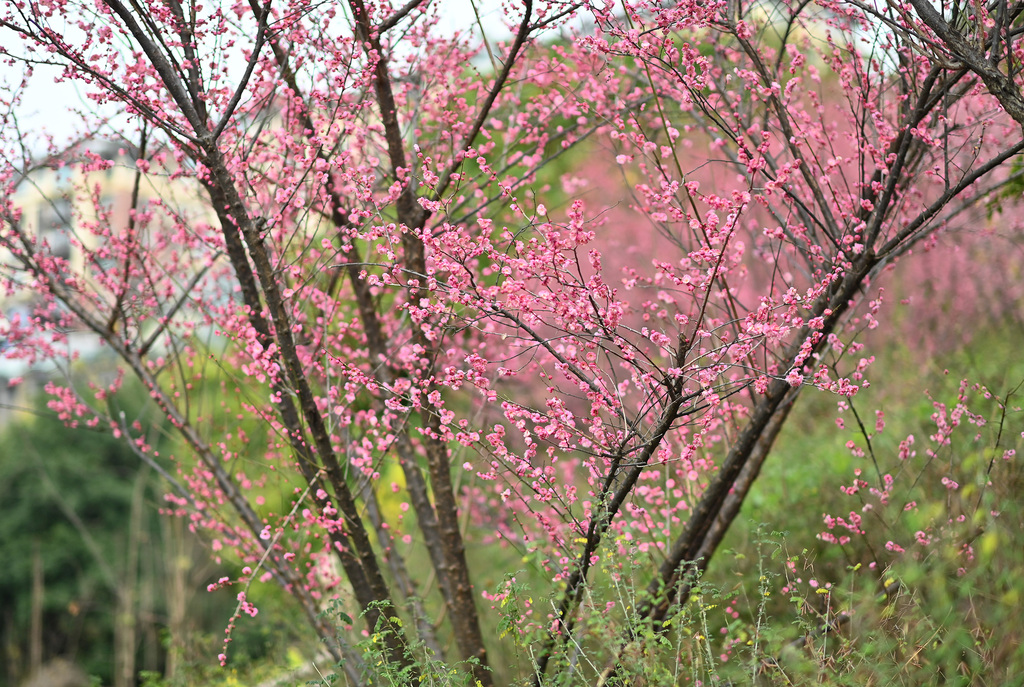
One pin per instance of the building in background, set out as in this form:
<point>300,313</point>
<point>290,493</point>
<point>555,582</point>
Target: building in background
<point>66,214</point>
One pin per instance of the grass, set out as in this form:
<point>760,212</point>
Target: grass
<point>936,612</point>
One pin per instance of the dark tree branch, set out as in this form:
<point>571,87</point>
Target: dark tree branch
<point>1000,85</point>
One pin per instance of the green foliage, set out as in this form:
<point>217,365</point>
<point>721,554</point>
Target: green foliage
<point>48,471</point>
<point>66,497</point>
<point>936,610</point>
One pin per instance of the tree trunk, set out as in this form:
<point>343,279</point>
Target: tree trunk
<point>35,650</point>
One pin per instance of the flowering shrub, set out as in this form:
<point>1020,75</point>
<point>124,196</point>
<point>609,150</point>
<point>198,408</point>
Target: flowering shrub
<point>354,221</point>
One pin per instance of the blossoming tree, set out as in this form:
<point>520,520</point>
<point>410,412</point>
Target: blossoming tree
<point>402,253</point>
